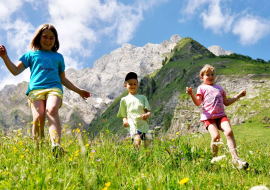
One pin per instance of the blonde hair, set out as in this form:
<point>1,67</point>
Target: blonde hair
<point>35,43</point>
<point>207,68</point>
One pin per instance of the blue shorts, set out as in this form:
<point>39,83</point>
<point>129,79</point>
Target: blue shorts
<point>142,135</point>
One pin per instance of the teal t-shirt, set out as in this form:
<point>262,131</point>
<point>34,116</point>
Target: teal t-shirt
<point>45,67</point>
<point>132,107</point>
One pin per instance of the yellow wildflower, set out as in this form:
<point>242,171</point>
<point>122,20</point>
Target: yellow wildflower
<point>22,156</point>
<point>87,145</point>
<point>65,125</point>
<point>172,139</point>
<point>70,159</point>
<point>108,184</point>
<point>80,124</point>
<point>64,130</point>
<point>177,133</point>
<point>105,188</point>
<point>32,122</point>
<point>84,131</point>
<point>184,181</point>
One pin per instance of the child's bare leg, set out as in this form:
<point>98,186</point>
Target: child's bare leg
<point>137,140</point>
<point>227,130</point>
<point>52,107</point>
<point>38,112</point>
<point>213,130</point>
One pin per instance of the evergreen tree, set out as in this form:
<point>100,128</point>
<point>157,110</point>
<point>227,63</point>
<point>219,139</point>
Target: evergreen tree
<point>147,91</point>
<point>153,86</point>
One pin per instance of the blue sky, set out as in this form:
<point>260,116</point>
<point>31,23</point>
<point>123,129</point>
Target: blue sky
<point>89,29</point>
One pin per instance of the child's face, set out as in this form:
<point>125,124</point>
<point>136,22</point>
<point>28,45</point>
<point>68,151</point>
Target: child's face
<point>208,77</point>
<point>47,40</point>
<point>131,85</point>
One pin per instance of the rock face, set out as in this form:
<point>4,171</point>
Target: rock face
<point>217,50</point>
<point>104,81</point>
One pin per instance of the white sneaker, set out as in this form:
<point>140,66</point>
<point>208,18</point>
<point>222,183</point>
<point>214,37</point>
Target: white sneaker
<point>217,159</point>
<point>240,164</point>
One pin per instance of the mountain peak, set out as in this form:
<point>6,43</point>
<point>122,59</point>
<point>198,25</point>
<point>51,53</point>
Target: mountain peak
<point>217,50</point>
<point>175,38</point>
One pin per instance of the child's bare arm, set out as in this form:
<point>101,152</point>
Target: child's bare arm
<point>83,93</point>
<point>230,101</point>
<point>146,115</point>
<point>125,122</point>
<point>197,100</point>
<point>14,69</point>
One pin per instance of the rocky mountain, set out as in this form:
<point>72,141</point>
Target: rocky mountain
<point>104,81</point>
<point>173,110</point>
<point>217,50</point>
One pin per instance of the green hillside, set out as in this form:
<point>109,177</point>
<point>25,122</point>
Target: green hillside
<point>184,63</point>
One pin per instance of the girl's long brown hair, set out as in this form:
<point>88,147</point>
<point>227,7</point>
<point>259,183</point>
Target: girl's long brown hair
<point>35,43</point>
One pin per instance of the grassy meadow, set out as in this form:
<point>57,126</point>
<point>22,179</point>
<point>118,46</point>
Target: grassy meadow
<point>112,162</point>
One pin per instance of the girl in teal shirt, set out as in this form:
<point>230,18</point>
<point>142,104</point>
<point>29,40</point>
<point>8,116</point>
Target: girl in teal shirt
<point>45,92</point>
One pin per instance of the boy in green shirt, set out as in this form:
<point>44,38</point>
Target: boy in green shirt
<point>134,110</point>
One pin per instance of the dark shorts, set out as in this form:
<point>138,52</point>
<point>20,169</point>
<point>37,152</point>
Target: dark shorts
<point>216,121</point>
<point>142,135</point>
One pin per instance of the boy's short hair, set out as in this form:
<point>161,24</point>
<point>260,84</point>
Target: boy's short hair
<point>131,75</point>
<point>207,68</point>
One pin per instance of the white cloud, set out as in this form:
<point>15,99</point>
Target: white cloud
<point>8,8</point>
<point>220,19</point>
<point>214,19</point>
<point>193,5</point>
<point>19,34</point>
<point>250,29</point>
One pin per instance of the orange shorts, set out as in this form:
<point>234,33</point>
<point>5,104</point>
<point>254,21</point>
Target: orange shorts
<point>216,121</point>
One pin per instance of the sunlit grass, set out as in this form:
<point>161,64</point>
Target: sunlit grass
<point>112,162</point>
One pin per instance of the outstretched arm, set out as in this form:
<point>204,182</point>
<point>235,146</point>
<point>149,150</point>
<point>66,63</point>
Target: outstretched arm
<point>146,115</point>
<point>230,101</point>
<point>14,69</point>
<point>197,100</point>
<point>83,93</point>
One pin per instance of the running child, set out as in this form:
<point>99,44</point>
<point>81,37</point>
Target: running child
<point>134,110</point>
<point>45,92</point>
<point>213,97</point>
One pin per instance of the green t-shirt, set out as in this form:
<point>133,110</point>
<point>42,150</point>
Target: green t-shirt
<point>132,107</point>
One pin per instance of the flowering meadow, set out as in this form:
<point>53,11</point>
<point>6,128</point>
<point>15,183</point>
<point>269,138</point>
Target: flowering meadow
<point>112,162</point>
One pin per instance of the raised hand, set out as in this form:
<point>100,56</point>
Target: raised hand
<point>3,51</point>
<point>241,94</point>
<point>189,91</point>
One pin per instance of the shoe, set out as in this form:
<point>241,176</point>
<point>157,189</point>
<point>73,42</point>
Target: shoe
<point>240,164</point>
<point>57,151</point>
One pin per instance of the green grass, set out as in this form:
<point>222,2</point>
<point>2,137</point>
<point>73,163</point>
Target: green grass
<point>109,158</point>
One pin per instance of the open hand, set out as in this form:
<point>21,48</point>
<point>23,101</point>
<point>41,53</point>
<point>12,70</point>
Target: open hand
<point>189,91</point>
<point>3,51</point>
<point>242,93</point>
<point>84,94</point>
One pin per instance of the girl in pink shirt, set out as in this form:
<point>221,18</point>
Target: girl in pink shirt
<point>213,115</point>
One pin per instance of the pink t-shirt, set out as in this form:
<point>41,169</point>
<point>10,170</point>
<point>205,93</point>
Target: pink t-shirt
<point>212,97</point>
